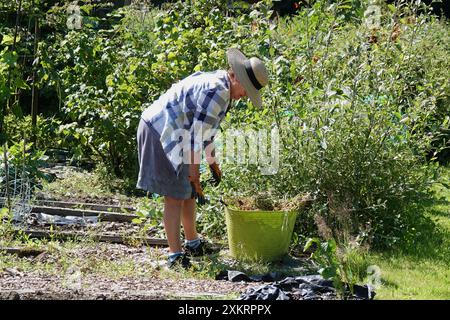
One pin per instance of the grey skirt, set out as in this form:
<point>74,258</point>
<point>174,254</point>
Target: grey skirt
<point>156,173</point>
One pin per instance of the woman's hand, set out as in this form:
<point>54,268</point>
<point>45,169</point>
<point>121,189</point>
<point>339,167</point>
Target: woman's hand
<point>212,162</point>
<point>216,173</point>
<point>194,179</point>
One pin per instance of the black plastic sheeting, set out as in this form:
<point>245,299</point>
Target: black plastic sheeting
<point>312,287</point>
<point>237,276</point>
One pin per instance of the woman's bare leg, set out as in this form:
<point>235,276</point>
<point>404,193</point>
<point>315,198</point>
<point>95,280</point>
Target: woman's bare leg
<point>188,219</point>
<point>172,214</point>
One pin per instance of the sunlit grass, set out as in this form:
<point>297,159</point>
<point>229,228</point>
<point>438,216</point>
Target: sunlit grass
<point>409,278</point>
<point>424,272</point>
<point>76,184</point>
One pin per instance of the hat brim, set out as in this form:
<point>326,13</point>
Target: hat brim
<point>236,59</point>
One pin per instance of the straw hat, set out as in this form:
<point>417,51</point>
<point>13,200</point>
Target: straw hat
<point>251,73</point>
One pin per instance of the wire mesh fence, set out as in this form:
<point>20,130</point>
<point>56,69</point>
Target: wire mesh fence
<point>15,191</point>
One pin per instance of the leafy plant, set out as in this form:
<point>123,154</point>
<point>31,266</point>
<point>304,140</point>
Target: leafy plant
<point>149,214</point>
<point>23,165</point>
<point>345,265</point>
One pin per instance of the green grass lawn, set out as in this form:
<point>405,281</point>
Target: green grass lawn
<point>425,272</point>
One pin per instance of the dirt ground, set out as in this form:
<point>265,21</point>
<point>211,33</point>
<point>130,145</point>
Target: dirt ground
<point>41,286</point>
<point>82,273</point>
<point>89,270</point>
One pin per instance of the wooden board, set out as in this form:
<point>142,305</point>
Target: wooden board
<point>64,235</point>
<point>87,206</point>
<point>22,252</point>
<point>79,205</point>
<point>103,216</point>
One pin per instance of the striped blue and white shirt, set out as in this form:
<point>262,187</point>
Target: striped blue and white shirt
<point>188,115</point>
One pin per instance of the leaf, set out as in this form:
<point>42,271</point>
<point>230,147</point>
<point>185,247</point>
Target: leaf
<point>10,58</point>
<point>309,243</point>
<point>9,40</point>
<point>329,247</point>
<point>4,212</point>
<point>171,56</point>
<point>328,272</point>
<point>17,111</point>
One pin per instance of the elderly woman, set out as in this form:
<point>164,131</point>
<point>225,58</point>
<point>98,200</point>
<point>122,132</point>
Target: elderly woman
<point>172,133</point>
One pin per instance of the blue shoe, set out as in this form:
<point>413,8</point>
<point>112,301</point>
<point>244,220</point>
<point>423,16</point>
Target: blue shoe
<point>204,248</point>
<point>180,261</point>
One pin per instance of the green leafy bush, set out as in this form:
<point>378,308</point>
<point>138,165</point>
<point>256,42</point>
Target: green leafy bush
<point>356,122</point>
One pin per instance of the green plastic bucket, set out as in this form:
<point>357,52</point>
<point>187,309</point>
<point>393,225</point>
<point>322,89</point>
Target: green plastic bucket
<point>259,235</point>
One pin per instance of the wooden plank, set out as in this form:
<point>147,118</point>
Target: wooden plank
<point>80,205</point>
<point>64,235</point>
<point>88,206</point>
<point>22,252</point>
<point>103,216</point>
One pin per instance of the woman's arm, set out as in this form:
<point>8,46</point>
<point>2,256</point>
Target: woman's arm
<point>210,153</point>
<point>212,162</point>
